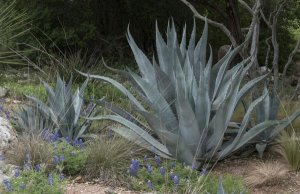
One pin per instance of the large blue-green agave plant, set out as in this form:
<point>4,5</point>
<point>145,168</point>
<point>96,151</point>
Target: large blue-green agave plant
<point>190,101</point>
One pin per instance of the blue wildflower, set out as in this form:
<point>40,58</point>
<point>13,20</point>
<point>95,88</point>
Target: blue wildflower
<point>204,171</point>
<point>157,160</point>
<point>22,186</point>
<point>136,163</point>
<point>149,168</point>
<point>17,172</point>
<point>68,139</point>
<point>162,171</point>
<point>56,160</point>
<point>50,179</point>
<point>61,177</point>
<point>145,158</point>
<point>133,170</point>
<point>172,175</point>
<point>7,184</point>
<point>194,167</point>
<point>176,180</point>
<point>27,166</point>
<point>38,168</point>
<point>150,185</point>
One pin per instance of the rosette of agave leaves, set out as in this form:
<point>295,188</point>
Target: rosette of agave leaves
<point>189,101</point>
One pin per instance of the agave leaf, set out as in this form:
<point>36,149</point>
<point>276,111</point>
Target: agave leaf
<point>132,136</point>
<point>243,127</point>
<point>158,102</point>
<point>283,124</point>
<point>44,108</point>
<point>246,88</point>
<point>254,131</point>
<point>165,85</point>
<point>143,62</point>
<point>139,131</point>
<point>200,52</point>
<point>220,69</point>
<point>118,86</point>
<point>119,111</point>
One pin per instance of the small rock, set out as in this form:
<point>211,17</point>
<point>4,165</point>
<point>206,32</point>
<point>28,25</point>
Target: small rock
<point>3,92</point>
<point>7,135</point>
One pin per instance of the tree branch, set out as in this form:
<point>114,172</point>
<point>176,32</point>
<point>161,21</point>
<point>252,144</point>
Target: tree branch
<point>247,7</point>
<point>290,59</point>
<point>222,27</point>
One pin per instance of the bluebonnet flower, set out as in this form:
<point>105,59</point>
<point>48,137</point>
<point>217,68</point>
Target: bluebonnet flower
<point>38,168</point>
<point>172,165</point>
<point>22,186</point>
<point>194,167</point>
<point>7,184</point>
<point>157,160</point>
<point>17,172</point>
<point>162,171</point>
<point>133,170</point>
<point>145,158</point>
<point>150,185</point>
<point>56,160</point>
<point>68,139</point>
<point>50,179</point>
<point>172,175</point>
<point>153,150</point>
<point>61,177</point>
<point>27,166</point>
<point>2,157</point>
<point>176,180</point>
<point>149,168</point>
<point>204,171</point>
<point>136,163</point>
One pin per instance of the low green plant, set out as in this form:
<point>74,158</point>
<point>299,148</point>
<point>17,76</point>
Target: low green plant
<point>65,108</point>
<point>290,149</point>
<point>30,147</point>
<point>75,156</point>
<point>32,181</point>
<point>108,158</point>
<point>174,177</point>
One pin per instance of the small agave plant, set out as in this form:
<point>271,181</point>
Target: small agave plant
<point>190,100</point>
<point>268,110</point>
<point>31,121</point>
<point>63,109</point>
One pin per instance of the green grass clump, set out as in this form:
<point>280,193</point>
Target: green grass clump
<point>190,180</point>
<point>108,159</point>
<point>40,151</point>
<point>32,181</point>
<point>290,149</point>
